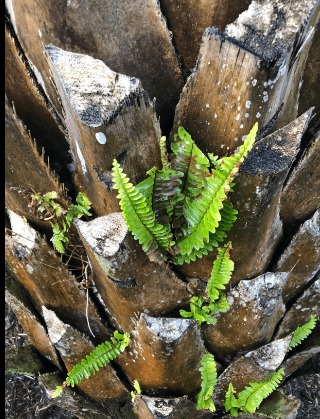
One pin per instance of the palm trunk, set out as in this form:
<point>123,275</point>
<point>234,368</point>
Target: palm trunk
<point>80,88</point>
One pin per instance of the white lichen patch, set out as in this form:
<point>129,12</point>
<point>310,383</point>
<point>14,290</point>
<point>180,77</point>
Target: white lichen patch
<point>22,232</point>
<point>270,356</point>
<point>56,328</point>
<point>168,329</point>
<point>104,234</point>
<point>101,138</point>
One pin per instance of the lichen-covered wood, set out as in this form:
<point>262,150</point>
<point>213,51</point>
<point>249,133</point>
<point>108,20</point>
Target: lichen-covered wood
<point>109,116</point>
<point>243,75</point>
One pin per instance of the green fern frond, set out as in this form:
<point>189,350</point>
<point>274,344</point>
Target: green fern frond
<point>166,186</point>
<point>228,217</point>
<point>209,380</point>
<point>251,397</point>
<point>302,332</point>
<point>231,403</point>
<point>221,272</point>
<point>203,212</point>
<point>164,152</point>
<point>140,219</point>
<point>98,358</point>
<point>188,159</point>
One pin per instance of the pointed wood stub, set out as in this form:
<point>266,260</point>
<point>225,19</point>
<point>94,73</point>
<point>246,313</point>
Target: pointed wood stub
<point>244,74</point>
<point>256,197</point>
<point>48,282</point>
<point>302,310</point>
<point>125,278</point>
<point>175,408</point>
<point>164,356</point>
<point>300,196</point>
<point>22,159</point>
<point>73,347</point>
<point>188,20</point>
<point>34,109</point>
<point>301,257</point>
<point>131,38</point>
<point>253,367</point>
<point>256,307</point>
<point>109,116</point>
<point>30,321</point>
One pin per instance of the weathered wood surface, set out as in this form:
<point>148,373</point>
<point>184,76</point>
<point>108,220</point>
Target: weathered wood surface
<point>256,307</point>
<point>256,197</point>
<point>30,321</point>
<point>301,311</point>
<point>164,356</point>
<point>244,74</point>
<point>109,116</point>
<point>255,366</point>
<point>130,37</point>
<point>309,93</point>
<point>33,108</point>
<point>188,20</point>
<point>71,400</point>
<point>124,276</point>
<point>174,408</point>
<point>300,196</point>
<point>73,347</point>
<point>48,281</point>
<point>301,257</point>
<point>22,159</point>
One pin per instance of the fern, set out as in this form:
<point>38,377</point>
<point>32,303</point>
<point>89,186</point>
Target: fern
<point>232,403</point>
<point>221,272</point>
<point>251,397</point>
<point>203,213</point>
<point>209,380</point>
<point>136,385</point>
<point>98,358</point>
<point>140,219</point>
<point>220,276</point>
<point>302,332</point>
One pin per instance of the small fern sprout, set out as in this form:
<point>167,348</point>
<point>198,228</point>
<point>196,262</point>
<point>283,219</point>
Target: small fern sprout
<point>302,332</point>
<point>136,385</point>
<point>209,380</point>
<point>98,358</point>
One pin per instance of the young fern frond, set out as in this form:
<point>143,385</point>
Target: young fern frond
<point>98,358</point>
<point>155,239</point>
<point>251,397</point>
<point>302,332</point>
<point>221,272</point>
<point>228,217</point>
<point>209,380</point>
<point>188,159</point>
<point>231,403</point>
<point>203,213</point>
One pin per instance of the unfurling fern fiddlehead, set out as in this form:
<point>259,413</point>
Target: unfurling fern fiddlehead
<point>99,357</point>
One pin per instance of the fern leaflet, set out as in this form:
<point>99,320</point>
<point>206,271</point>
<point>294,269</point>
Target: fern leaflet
<point>251,397</point>
<point>302,332</point>
<point>203,213</point>
<point>232,402</point>
<point>99,357</point>
<point>140,219</point>
<point>209,380</point>
<point>221,272</point>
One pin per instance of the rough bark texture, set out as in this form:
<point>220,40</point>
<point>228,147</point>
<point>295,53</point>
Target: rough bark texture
<point>129,284</point>
<point>244,74</point>
<point>109,116</point>
<point>256,306</point>
<point>83,77</point>
<point>122,36</point>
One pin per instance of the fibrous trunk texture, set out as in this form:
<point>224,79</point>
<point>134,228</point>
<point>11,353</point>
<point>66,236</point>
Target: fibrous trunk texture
<point>94,81</point>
